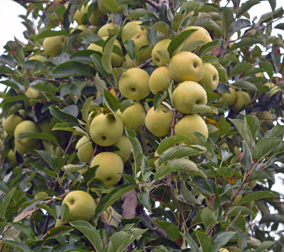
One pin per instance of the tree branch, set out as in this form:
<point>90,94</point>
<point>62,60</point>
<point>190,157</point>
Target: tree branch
<point>153,4</point>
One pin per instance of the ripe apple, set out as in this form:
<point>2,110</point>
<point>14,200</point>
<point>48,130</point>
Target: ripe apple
<point>26,126</point>
<point>85,149</point>
<point>140,39</point>
<point>52,46</point>
<point>84,30</point>
<point>187,95</point>
<point>106,130</point>
<point>133,117</point>
<point>134,84</point>
<point>159,79</point>
<point>31,93</point>
<point>96,15</point>
<point>81,205</point>
<point>130,29</point>
<point>159,121</point>
<point>228,98</point>
<point>80,16</point>
<point>200,34</point>
<point>189,124</point>
<point>157,58</point>
<point>210,79</point>
<point>23,149</point>
<point>186,66</point>
<point>243,98</point>
<point>125,147</point>
<point>10,123</point>
<point>105,10</point>
<point>110,165</point>
<point>103,31</point>
<point>38,57</point>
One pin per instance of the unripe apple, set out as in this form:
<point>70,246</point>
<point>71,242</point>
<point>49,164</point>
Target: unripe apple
<point>189,124</point>
<point>210,79</point>
<point>156,57</point>
<point>10,123</point>
<point>140,39</point>
<point>159,121</point>
<point>130,29</point>
<point>31,93</point>
<point>105,10</point>
<point>83,28</point>
<point>133,117</point>
<point>237,200</point>
<point>52,46</point>
<point>200,34</point>
<point>23,149</point>
<point>80,16</point>
<point>187,95</point>
<point>227,98</point>
<point>103,31</point>
<point>249,204</point>
<point>186,66</point>
<point>243,98</point>
<point>11,156</point>
<point>38,57</point>
<point>252,183</point>
<point>26,126</point>
<point>159,79</point>
<point>110,167</point>
<point>134,84</point>
<point>106,130</point>
<point>125,147</point>
<point>96,15</point>
<point>85,149</point>
<point>81,205</point>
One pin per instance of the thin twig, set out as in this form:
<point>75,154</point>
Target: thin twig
<point>153,4</point>
<point>146,63</point>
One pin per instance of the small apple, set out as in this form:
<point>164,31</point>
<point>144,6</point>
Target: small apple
<point>186,66</point>
<point>210,79</point>
<point>11,156</point>
<point>26,126</point>
<point>110,167</point>
<point>38,57</point>
<point>243,98</point>
<point>159,121</point>
<point>157,58</point>
<point>159,79</point>
<point>249,204</point>
<point>134,84</point>
<point>81,205</point>
<point>237,200</point>
<point>80,15</point>
<point>10,123</point>
<point>130,29</point>
<point>103,31</point>
<point>125,147</point>
<point>52,46</point>
<point>228,98</point>
<point>187,95</point>
<point>85,149</point>
<point>106,130</point>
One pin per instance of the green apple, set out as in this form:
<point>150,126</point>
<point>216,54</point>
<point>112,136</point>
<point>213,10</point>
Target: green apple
<point>187,95</point>
<point>80,15</point>
<point>31,93</point>
<point>243,98</point>
<point>249,204</point>
<point>133,117</point>
<point>11,156</point>
<point>130,29</point>
<point>52,46</point>
<point>81,205</point>
<point>200,34</point>
<point>110,167</point>
<point>237,200</point>
<point>96,15</point>
<point>228,98</point>
<point>26,126</point>
<point>140,40</point>
<point>125,147</point>
<point>10,123</point>
<point>134,84</point>
<point>186,66</point>
<point>189,124</point>
<point>106,130</point>
<point>159,79</point>
<point>23,149</point>
<point>39,58</point>
<point>105,10</point>
<point>210,79</point>
<point>156,57</point>
<point>159,121</point>
<point>85,149</point>
<point>84,30</point>
<point>103,31</point>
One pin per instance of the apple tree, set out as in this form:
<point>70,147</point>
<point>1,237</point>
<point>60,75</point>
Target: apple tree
<point>142,126</point>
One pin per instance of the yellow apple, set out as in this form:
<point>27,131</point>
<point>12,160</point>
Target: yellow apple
<point>23,149</point>
<point>10,123</point>
<point>159,121</point>
<point>159,79</point>
<point>134,84</point>
<point>39,58</point>
<point>156,57</point>
<point>187,95</point>
<point>243,98</point>
<point>210,79</point>
<point>52,46</point>
<point>11,156</point>
<point>81,205</point>
<point>105,10</point>
<point>26,126</point>
<point>106,130</point>
<point>130,29</point>
<point>189,124</point>
<point>125,147</point>
<point>80,15</point>
<point>84,30</point>
<point>110,167</point>
<point>140,39</point>
<point>85,149</point>
<point>200,34</point>
<point>103,31</point>
<point>186,66</point>
<point>228,98</point>
<point>133,117</point>
<point>31,93</point>
<point>224,250</point>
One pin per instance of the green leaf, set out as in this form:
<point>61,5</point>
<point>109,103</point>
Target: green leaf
<point>159,97</point>
<point>252,125</point>
<point>65,212</point>
<point>41,136</point>
<point>50,33</point>
<point>256,196</point>
<point>235,210</point>
<point>242,129</point>
<point>264,147</point>
<point>187,195</point>
<point>245,85</point>
<point>264,246</point>
<point>169,142</point>
<point>162,27</point>
<point>240,68</point>
<point>145,200</point>
<point>208,217</point>
<point>228,19</point>
<point>48,159</point>
<point>6,70</point>
<point>277,131</point>
<point>98,63</point>
<point>189,47</point>
<point>209,47</point>
<point>56,232</point>
<point>137,13</point>
<point>48,209</point>
<point>17,245</point>
<point>62,116</point>
<point>268,67</point>
<point>275,218</point>
<point>86,108</point>
<point>244,42</point>
<point>111,5</point>
<point>82,56</point>
<point>5,203</point>
<point>191,242</point>
<point>271,16</point>
<point>110,101</point>
<point>23,228</point>
<point>246,6</point>
<point>222,239</point>
<point>177,21</point>
<point>171,230</point>
<point>202,185</point>
<point>107,51</point>
<point>90,233</point>
<point>130,48</point>
<point>72,68</point>
<point>204,109</point>
<point>204,240</point>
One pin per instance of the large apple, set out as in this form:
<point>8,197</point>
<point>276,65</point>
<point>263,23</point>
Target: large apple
<point>210,79</point>
<point>80,16</point>
<point>81,205</point>
<point>157,58</point>
<point>190,124</point>
<point>159,79</point>
<point>52,46</point>
<point>186,66</point>
<point>159,121</point>
<point>106,130</point>
<point>110,167</point>
<point>10,123</point>
<point>26,126</point>
<point>228,98</point>
<point>134,84</point>
<point>85,149</point>
<point>187,95</point>
<point>243,98</point>
<point>125,147</point>
<point>130,29</point>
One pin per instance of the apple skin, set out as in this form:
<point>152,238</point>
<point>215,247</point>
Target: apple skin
<point>125,147</point>
<point>26,126</point>
<point>103,31</point>
<point>186,66</point>
<point>189,124</point>
<point>10,123</point>
<point>23,149</point>
<point>133,117</point>
<point>130,29</point>
<point>95,16</point>
<point>110,165</point>
<point>85,149</point>
<point>39,58</point>
<point>237,200</point>
<point>187,95</point>
<point>210,79</point>
<point>52,46</point>
<point>229,99</point>
<point>140,39</point>
<point>134,84</point>
<point>31,93</point>
<point>200,34</point>
<point>79,14</point>
<point>159,79</point>
<point>11,156</point>
<point>224,250</point>
<point>159,122</point>
<point>81,205</point>
<point>243,98</point>
<point>106,130</point>
<point>157,58</point>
